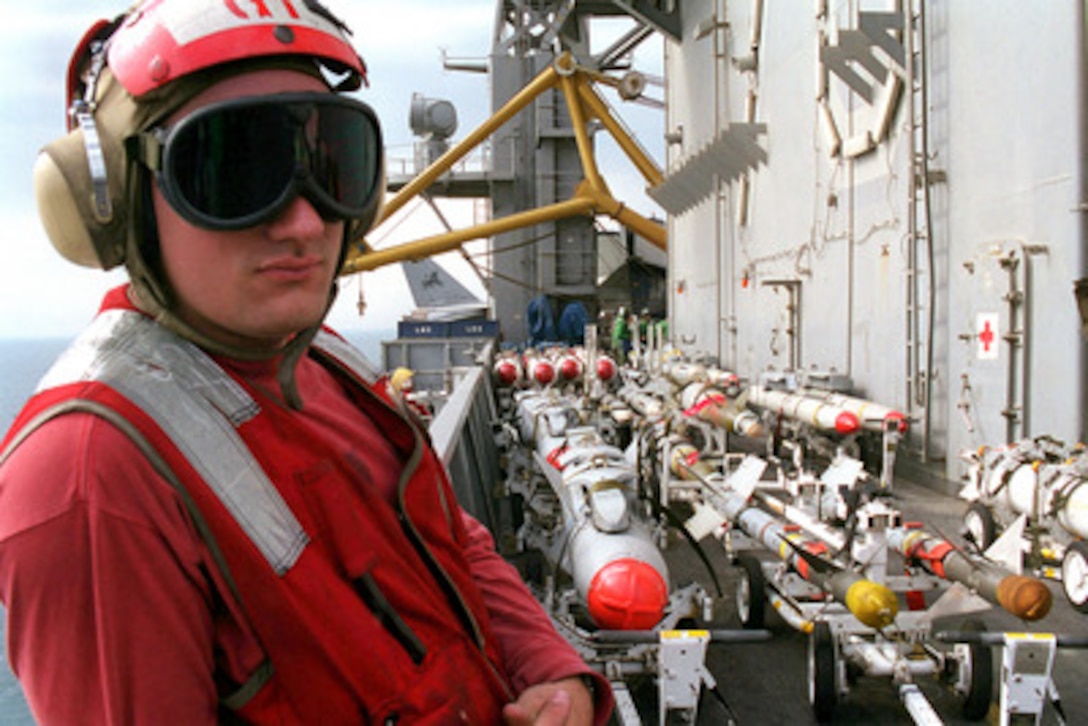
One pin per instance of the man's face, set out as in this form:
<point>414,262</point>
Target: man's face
<point>256,287</point>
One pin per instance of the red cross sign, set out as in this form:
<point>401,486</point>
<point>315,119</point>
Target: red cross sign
<point>987,332</point>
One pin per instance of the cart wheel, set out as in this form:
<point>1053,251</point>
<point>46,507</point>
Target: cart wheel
<point>1075,575</point>
<point>978,520</point>
<point>750,592</point>
<point>822,690</point>
<point>980,676</point>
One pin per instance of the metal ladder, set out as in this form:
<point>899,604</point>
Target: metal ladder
<point>920,283</point>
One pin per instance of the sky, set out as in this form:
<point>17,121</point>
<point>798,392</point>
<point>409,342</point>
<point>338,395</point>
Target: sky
<point>43,295</point>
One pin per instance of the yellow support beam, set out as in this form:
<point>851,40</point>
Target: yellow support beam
<point>649,170</point>
<point>591,197</point>
<point>447,241</point>
<point>545,80</point>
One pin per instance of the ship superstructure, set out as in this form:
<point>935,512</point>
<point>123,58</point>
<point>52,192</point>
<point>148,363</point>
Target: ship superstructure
<point>872,219</point>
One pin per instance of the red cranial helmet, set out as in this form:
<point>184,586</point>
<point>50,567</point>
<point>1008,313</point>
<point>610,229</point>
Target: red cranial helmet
<point>130,73</point>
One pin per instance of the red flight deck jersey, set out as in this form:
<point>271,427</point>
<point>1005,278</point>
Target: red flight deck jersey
<point>176,546</point>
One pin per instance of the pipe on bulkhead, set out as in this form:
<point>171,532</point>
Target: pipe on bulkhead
<point>1082,188</point>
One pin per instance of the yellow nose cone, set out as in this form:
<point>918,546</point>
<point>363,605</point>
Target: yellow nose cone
<point>873,604</point>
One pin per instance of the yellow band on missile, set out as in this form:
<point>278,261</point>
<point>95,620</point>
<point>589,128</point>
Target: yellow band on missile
<point>873,604</point>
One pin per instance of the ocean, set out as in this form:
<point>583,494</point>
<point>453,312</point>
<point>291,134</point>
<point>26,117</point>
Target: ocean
<point>22,363</point>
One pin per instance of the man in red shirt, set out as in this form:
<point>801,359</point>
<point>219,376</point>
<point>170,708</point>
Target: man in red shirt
<point>212,509</point>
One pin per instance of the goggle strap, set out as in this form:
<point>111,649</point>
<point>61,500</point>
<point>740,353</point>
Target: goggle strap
<point>149,148</point>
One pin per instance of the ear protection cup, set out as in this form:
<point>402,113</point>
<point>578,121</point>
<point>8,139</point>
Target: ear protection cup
<point>63,187</point>
<point>62,184</point>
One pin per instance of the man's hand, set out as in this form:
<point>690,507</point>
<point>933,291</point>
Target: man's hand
<point>561,703</point>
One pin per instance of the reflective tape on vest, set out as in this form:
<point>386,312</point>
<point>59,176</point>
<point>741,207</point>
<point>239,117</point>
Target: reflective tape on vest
<point>198,406</point>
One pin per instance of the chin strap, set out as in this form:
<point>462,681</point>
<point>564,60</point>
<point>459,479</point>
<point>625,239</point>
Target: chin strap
<point>289,355</point>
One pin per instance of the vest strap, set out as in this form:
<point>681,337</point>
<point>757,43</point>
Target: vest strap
<point>198,406</point>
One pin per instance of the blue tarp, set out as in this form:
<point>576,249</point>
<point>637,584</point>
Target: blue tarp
<point>572,324</point>
<point>541,321</point>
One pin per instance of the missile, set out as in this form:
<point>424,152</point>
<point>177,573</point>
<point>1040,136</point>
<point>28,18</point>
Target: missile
<point>508,371</point>
<point>601,539</point>
<point>1024,597</point>
<point>801,408</point>
<point>606,368</point>
<point>727,381</point>
<point>642,402</point>
<point>714,407</point>
<point>1032,478</point>
<point>682,373</point>
<point>872,416</point>
<point>540,370</point>
<point>872,603</point>
<point>570,367</point>
<point>616,567</point>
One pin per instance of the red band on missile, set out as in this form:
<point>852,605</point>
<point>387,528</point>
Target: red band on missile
<point>707,400</point>
<point>916,600</point>
<point>815,548</point>
<point>935,556</point>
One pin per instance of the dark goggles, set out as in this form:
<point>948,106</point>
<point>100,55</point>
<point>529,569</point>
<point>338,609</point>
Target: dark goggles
<point>236,164</point>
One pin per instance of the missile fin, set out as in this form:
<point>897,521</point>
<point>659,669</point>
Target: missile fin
<point>743,481</point>
<point>1007,550</point>
<point>705,521</point>
<point>957,599</point>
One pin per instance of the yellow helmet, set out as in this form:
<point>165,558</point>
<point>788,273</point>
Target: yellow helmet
<point>401,378</point>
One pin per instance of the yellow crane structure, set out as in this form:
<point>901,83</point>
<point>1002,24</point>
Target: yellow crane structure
<point>591,196</point>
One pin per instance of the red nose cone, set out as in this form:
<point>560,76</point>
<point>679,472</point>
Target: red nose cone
<point>570,369</point>
<point>506,372</point>
<point>606,368</point>
<point>627,595</point>
<point>846,423</point>
<point>544,373</point>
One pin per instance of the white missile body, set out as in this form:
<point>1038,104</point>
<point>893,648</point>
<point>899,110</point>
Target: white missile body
<point>1036,481</point>
<point>602,540</point>
<point>872,416</point>
<point>822,415</point>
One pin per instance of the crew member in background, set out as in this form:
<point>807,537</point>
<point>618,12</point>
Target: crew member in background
<point>403,385</point>
<point>621,335</point>
<point>644,327</point>
<point>211,509</point>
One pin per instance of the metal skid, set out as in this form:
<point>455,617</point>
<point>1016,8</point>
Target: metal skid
<point>827,552</point>
<point>841,648</point>
<point>1027,666</point>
